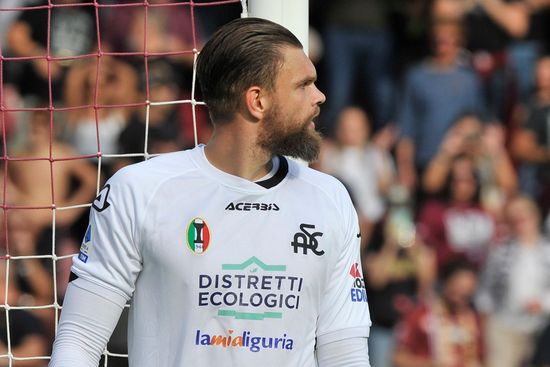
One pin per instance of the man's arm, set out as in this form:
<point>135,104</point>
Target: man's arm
<point>526,148</point>
<point>90,314</point>
<point>406,170</point>
<point>106,270</point>
<point>512,17</point>
<point>344,314</point>
<point>353,352</point>
<point>21,43</point>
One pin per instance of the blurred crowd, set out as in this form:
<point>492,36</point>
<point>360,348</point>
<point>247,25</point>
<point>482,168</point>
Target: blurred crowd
<point>437,121</point>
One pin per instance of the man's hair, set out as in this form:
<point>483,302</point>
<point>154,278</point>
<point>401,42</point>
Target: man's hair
<point>243,53</point>
<point>458,265</point>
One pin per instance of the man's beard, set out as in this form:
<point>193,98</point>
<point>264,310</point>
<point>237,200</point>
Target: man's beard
<point>302,143</point>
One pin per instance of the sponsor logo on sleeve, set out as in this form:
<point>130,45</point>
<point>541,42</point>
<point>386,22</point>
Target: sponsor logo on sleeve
<point>85,247</point>
<point>358,292</point>
<point>198,235</point>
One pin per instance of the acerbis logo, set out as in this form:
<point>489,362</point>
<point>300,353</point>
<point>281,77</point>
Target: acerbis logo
<point>252,206</point>
<point>243,340</point>
<point>198,235</point>
<point>358,292</point>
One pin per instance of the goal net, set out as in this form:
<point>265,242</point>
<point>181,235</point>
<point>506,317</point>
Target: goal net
<point>86,87</point>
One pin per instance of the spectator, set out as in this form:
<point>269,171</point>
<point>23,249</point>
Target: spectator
<point>59,180</point>
<point>359,48</point>
<point>163,126</point>
<point>486,147</point>
<point>7,17</point>
<point>72,32</point>
<point>33,280</point>
<point>531,143</point>
<point>117,85</point>
<point>410,31</point>
<point>494,27</point>
<point>11,98</point>
<point>169,30</point>
<point>436,93</point>
<point>398,275</point>
<point>456,226</point>
<point>363,164</point>
<point>444,332</point>
<point>524,52</point>
<point>515,288</point>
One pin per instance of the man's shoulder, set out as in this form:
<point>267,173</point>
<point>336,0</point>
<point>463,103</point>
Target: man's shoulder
<point>316,180</point>
<point>156,170</point>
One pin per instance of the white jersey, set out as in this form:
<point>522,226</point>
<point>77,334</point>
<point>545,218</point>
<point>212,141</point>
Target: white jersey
<point>222,271</point>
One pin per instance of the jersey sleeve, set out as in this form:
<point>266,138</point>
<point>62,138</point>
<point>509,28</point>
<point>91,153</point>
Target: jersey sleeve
<point>353,352</point>
<point>344,311</point>
<point>110,253</point>
<point>90,314</point>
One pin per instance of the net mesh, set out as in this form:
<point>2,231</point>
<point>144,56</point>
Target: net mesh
<point>44,273</point>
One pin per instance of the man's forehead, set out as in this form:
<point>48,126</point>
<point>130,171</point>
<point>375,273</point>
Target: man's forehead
<point>297,64</point>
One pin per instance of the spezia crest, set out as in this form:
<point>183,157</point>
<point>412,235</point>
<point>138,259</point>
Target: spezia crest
<point>198,235</point>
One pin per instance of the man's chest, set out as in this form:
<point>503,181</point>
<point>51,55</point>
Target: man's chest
<point>241,257</point>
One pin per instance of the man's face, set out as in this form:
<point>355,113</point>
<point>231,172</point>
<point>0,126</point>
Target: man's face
<point>523,218</point>
<point>447,39</point>
<point>288,127</point>
<point>353,127</point>
<point>460,288</point>
<point>463,180</point>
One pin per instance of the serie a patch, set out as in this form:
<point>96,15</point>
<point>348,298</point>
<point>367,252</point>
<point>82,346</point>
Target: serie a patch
<point>86,245</point>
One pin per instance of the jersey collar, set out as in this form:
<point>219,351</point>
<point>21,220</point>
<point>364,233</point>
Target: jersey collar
<point>239,183</point>
<point>278,176</point>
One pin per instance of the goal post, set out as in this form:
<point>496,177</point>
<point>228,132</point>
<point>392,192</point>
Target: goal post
<point>292,14</point>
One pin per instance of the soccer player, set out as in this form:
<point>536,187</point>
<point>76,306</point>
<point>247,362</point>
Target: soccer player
<point>230,254</point>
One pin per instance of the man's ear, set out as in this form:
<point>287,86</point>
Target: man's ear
<point>257,102</point>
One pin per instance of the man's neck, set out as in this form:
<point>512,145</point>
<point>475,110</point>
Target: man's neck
<point>233,149</point>
<point>445,61</point>
<point>454,308</point>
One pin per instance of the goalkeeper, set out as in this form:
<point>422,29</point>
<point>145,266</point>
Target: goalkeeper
<point>229,253</point>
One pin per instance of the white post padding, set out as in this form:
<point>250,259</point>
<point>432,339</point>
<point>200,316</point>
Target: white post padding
<point>292,14</point>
